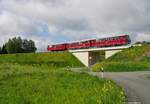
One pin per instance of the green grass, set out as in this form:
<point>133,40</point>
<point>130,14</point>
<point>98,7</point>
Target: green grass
<point>40,78</point>
<point>133,54</point>
<point>132,59</point>
<point>42,84</point>
<point>55,59</point>
<point>148,77</point>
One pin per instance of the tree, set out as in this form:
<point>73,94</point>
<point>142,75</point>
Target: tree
<point>14,45</point>
<point>25,45</point>
<point>29,46</point>
<point>10,46</point>
<point>0,50</point>
<point>18,45</point>
<point>3,50</point>
<point>143,42</point>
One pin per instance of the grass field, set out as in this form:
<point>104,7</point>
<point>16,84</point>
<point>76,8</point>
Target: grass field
<point>132,59</point>
<point>45,85</point>
<point>22,82</point>
<point>55,59</point>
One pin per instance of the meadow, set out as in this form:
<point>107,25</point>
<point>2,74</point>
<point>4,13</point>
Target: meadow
<point>132,59</point>
<point>55,59</point>
<point>23,80</point>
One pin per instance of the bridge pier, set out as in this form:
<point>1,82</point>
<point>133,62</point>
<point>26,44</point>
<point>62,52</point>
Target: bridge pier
<point>83,57</point>
<point>90,58</point>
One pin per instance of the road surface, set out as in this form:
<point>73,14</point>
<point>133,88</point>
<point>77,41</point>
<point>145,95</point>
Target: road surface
<point>136,85</point>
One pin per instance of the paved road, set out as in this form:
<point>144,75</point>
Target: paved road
<point>136,85</point>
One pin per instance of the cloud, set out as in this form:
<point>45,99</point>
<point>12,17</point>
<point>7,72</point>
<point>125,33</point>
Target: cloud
<point>46,21</point>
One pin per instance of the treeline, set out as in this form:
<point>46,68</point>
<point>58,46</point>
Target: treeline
<point>18,45</point>
<point>143,42</point>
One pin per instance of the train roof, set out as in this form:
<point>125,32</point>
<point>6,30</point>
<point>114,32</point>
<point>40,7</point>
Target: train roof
<point>97,38</point>
<point>90,39</point>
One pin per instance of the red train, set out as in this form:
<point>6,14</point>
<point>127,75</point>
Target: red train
<point>94,43</point>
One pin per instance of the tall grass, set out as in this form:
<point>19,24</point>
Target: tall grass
<point>40,78</point>
<point>26,84</point>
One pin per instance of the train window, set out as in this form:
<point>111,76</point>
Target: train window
<point>83,42</point>
<point>100,40</point>
<point>105,39</point>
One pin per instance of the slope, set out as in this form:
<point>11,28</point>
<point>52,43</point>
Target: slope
<point>55,59</point>
<point>131,59</point>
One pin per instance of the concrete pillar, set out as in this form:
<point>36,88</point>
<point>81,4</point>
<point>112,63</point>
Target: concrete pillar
<point>83,57</point>
<point>110,53</point>
<point>90,58</point>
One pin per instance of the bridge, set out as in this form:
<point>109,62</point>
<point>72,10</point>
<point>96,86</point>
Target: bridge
<point>94,50</point>
<point>93,55</point>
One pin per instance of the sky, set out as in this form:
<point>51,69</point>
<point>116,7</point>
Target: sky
<point>57,21</point>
